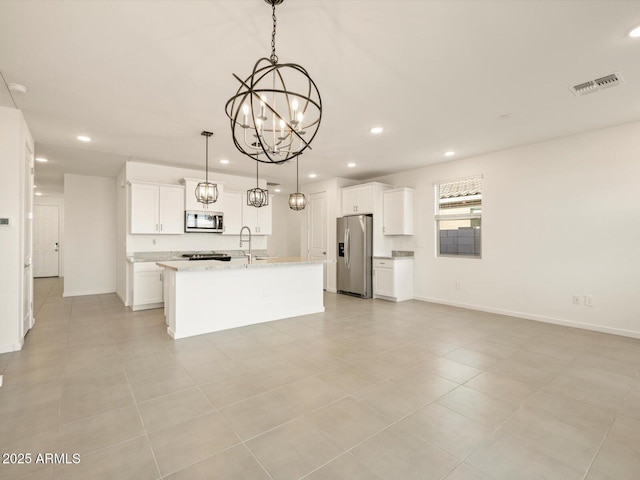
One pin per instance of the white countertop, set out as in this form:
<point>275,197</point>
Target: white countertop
<point>199,265</point>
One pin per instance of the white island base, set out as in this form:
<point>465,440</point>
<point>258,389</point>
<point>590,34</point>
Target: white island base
<point>208,296</point>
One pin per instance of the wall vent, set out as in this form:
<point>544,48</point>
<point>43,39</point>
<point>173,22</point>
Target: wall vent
<point>601,83</point>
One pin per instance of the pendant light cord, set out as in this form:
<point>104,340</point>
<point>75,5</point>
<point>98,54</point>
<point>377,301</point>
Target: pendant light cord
<point>206,171</point>
<point>297,175</point>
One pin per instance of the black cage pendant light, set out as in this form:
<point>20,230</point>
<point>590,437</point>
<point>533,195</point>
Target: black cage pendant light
<point>276,112</point>
<point>206,192</point>
<point>257,197</point>
<point>297,201</point>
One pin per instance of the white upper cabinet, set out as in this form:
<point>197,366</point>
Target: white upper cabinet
<point>232,221</point>
<point>398,211</point>
<point>257,219</point>
<point>157,209</point>
<point>359,199</point>
<point>190,202</point>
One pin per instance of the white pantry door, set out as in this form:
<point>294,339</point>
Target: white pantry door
<point>46,240</point>
<point>318,229</point>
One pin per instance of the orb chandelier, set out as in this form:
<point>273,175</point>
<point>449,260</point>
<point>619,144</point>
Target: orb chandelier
<point>276,112</point>
<point>297,201</point>
<point>206,192</point>
<point>257,197</point>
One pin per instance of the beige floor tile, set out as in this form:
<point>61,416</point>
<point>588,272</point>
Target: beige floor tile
<point>473,358</point>
<point>293,450</point>
<point>88,382</point>
<point>466,472</point>
<point>615,462</point>
<point>310,393</point>
<point>631,404</point>
<point>449,369</point>
<point>186,443</point>
<point>345,467</point>
<point>349,378</point>
<point>258,414</point>
<point>130,460</point>
<point>449,430</point>
<point>478,406</point>
<point>571,445</point>
<point>506,388</point>
<point>161,383</point>
<point>506,458</point>
<point>625,431</point>
<point>236,463</point>
<point>395,399</point>
<point>576,413</point>
<point>348,422</point>
<point>230,390</point>
<point>95,402</point>
<point>93,433</point>
<point>42,441</point>
<point>394,454</point>
<point>171,409</point>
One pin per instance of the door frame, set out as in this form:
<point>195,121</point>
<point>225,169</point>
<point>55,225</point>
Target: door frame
<point>316,196</point>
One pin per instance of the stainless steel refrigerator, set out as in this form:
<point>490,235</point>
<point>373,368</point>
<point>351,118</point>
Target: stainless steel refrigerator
<point>355,246</point>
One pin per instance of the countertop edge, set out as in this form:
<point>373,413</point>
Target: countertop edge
<point>203,265</point>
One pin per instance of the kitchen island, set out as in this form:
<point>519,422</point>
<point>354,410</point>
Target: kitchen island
<point>208,296</point>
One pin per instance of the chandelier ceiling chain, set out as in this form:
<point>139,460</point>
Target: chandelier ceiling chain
<point>273,57</point>
<point>270,121</point>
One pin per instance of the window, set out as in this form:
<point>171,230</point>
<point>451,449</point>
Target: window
<point>459,217</point>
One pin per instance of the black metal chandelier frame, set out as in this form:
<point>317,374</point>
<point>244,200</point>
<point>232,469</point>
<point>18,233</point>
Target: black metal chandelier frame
<point>252,98</point>
<point>257,197</point>
<point>206,192</point>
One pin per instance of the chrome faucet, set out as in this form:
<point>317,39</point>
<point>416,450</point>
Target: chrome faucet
<point>248,255</point>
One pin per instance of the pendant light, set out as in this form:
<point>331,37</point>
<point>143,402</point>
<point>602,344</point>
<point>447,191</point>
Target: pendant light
<point>257,197</point>
<point>297,201</point>
<point>270,121</point>
<point>206,192</point>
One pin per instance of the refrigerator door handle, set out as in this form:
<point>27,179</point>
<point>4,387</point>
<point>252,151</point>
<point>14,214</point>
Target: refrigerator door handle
<point>347,247</point>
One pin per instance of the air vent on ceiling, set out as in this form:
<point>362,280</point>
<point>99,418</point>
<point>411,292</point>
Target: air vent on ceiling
<point>601,83</point>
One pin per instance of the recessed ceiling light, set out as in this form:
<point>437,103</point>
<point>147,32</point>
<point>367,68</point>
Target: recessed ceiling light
<point>312,175</point>
<point>351,164</point>
<point>38,194</point>
<point>35,186</point>
<point>505,116</point>
<point>41,159</point>
<point>450,153</point>
<point>224,161</point>
<point>377,130</point>
<point>83,138</point>
<point>277,190</point>
<point>17,87</point>
<point>635,33</point>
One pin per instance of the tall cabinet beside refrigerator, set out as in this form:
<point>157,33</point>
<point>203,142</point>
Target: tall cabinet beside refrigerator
<point>355,249</point>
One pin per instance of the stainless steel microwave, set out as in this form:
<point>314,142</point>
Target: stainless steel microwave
<point>203,222</point>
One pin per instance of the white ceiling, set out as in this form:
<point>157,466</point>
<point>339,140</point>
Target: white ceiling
<point>145,78</point>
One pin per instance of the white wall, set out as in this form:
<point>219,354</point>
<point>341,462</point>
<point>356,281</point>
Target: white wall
<point>90,231</point>
<point>57,201</point>
<point>121,235</point>
<point>560,218</point>
<point>281,243</point>
<point>14,140</point>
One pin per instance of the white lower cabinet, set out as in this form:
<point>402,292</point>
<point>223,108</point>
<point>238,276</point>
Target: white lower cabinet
<point>148,289</point>
<point>393,278</point>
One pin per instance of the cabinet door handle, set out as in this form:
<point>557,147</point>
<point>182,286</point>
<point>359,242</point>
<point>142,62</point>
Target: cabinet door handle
<point>160,276</point>
<point>160,227</point>
<point>157,228</point>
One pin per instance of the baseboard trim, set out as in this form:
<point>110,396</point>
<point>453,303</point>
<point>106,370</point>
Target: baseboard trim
<point>10,347</point>
<point>537,318</point>
<point>84,294</point>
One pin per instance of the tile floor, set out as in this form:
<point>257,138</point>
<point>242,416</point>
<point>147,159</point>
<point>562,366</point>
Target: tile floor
<point>368,390</point>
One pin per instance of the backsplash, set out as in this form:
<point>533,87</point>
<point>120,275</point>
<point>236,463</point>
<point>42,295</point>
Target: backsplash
<point>189,242</point>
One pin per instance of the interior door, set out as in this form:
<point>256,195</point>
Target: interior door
<point>317,221</point>
<point>46,240</point>
<point>27,249</point>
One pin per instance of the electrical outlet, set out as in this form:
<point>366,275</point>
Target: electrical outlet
<point>577,300</point>
<point>588,300</point>
<point>458,285</point>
